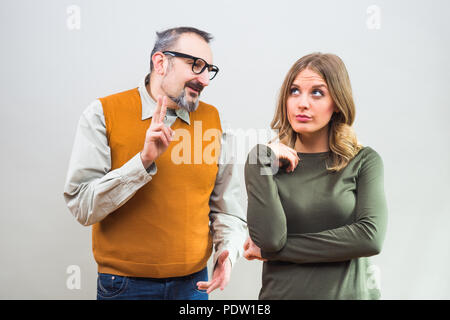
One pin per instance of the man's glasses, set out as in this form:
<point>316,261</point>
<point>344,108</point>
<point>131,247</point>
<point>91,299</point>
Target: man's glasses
<point>198,66</point>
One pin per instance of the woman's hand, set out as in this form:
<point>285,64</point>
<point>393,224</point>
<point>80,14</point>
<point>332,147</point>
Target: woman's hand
<point>285,155</point>
<point>252,251</point>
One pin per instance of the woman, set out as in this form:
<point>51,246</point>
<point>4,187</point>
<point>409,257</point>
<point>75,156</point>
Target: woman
<point>315,221</point>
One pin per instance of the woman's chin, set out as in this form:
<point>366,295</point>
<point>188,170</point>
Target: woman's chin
<point>303,129</point>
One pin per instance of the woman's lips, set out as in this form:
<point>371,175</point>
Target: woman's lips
<point>303,118</point>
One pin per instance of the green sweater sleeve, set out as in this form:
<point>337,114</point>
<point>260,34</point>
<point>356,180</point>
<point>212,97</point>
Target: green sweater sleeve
<point>364,237</point>
<point>265,215</point>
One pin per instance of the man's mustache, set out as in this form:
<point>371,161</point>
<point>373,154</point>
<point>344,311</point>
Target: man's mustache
<point>197,86</point>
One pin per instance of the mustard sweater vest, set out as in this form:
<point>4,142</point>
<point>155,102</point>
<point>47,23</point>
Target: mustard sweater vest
<point>163,230</point>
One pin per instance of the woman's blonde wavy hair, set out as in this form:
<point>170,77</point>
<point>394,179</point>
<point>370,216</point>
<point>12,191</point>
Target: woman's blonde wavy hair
<point>342,139</point>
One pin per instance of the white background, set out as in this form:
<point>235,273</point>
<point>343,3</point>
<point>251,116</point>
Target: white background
<point>50,73</point>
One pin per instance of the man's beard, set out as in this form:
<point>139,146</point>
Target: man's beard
<point>183,102</point>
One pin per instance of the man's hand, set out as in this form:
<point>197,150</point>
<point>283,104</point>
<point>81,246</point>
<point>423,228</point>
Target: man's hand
<point>252,251</point>
<point>221,275</point>
<point>158,136</point>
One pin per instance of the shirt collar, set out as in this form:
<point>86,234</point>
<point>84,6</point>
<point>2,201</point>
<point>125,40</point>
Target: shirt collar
<point>149,105</point>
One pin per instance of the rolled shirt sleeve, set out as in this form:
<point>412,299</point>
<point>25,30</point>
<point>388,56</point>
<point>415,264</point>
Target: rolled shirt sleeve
<point>92,190</point>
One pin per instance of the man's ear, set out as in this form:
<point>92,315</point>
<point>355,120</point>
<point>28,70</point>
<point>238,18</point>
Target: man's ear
<point>158,62</point>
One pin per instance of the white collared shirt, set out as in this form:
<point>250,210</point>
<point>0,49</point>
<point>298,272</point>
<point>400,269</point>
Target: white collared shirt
<point>92,190</point>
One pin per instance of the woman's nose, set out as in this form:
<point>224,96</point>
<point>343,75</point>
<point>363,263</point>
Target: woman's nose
<point>303,102</point>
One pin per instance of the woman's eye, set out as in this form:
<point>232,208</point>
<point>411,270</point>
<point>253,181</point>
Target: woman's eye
<point>294,91</point>
<point>317,93</point>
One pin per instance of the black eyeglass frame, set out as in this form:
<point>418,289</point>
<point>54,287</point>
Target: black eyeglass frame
<point>210,67</point>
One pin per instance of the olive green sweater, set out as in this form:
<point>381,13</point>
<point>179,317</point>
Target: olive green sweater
<point>316,228</point>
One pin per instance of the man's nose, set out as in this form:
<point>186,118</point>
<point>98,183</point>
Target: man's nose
<point>203,77</point>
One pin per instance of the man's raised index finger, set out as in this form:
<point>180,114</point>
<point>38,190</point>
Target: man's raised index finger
<point>157,110</point>
<point>163,111</point>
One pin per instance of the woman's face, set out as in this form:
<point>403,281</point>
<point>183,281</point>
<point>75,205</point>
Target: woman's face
<point>309,104</point>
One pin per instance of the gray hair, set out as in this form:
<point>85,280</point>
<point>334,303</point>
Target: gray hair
<point>166,39</point>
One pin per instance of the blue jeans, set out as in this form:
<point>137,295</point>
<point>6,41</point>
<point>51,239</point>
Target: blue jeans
<point>113,287</point>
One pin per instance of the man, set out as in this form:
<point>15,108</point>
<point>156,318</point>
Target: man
<point>157,191</point>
